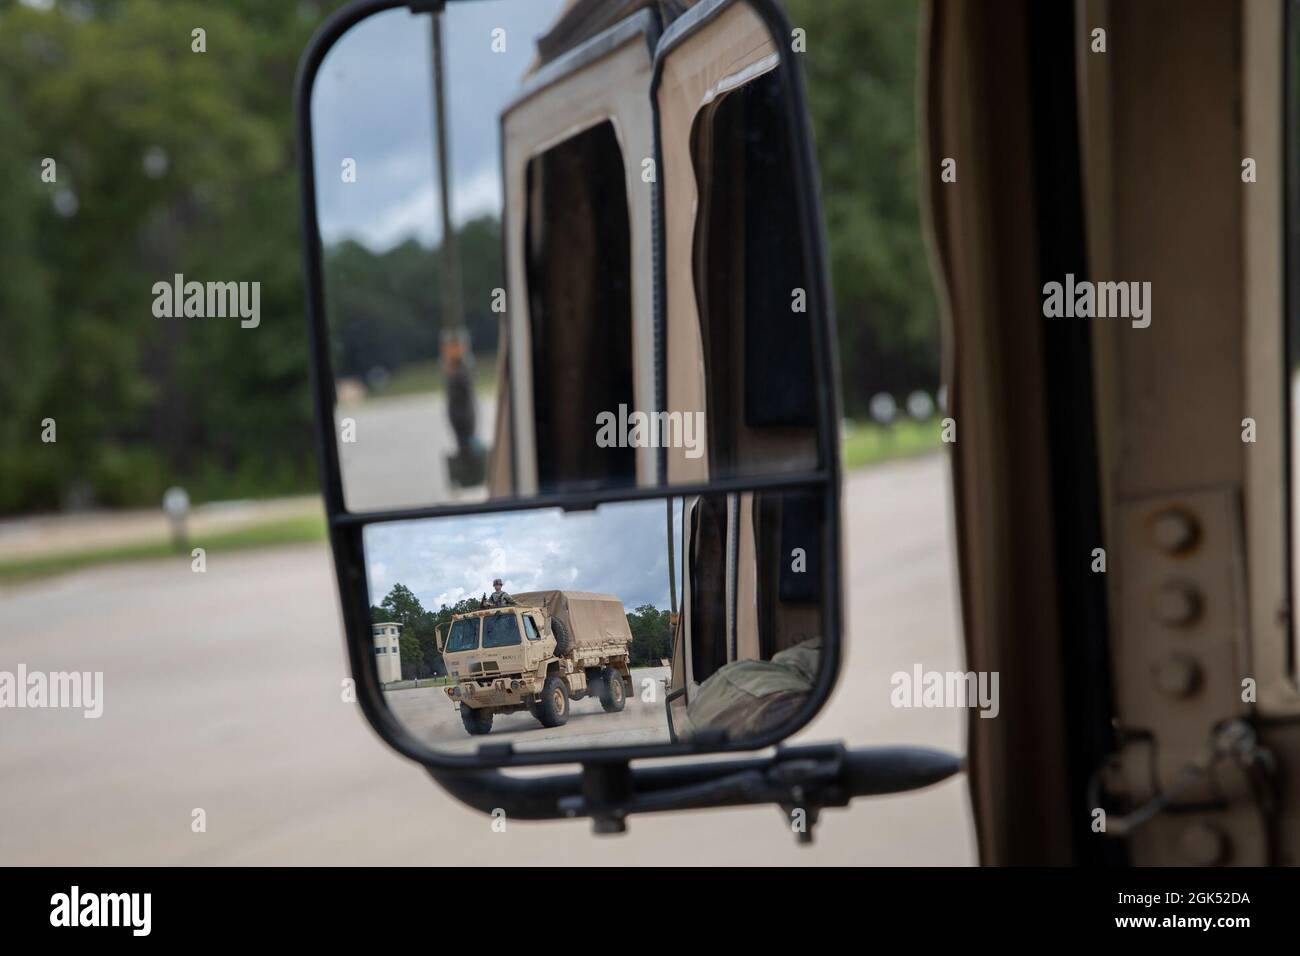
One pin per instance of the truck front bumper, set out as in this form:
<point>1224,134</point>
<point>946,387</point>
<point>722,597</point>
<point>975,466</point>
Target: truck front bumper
<point>502,692</point>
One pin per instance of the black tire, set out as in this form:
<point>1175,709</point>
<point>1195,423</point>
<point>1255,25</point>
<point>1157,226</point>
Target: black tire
<point>553,711</point>
<point>613,692</point>
<point>477,722</point>
<point>563,639</point>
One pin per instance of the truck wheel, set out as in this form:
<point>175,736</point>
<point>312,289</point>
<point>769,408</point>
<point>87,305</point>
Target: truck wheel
<point>563,641</point>
<point>477,722</point>
<point>554,709</point>
<point>613,695</point>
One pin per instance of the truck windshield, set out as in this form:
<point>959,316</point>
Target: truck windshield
<point>500,630</point>
<point>464,635</point>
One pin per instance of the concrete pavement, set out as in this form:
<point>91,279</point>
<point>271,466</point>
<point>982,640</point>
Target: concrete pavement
<point>224,694</point>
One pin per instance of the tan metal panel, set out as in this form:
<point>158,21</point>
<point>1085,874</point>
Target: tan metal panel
<point>614,88</point>
<point>724,53</point>
<point>977,106</point>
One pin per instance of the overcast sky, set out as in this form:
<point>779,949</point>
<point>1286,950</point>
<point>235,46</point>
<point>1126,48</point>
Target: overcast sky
<point>373,103</point>
<point>618,549</point>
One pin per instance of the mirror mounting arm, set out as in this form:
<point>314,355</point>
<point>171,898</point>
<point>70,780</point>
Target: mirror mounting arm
<point>801,780</point>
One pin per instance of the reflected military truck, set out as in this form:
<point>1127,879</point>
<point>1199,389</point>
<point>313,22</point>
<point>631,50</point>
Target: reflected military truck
<point>549,648</point>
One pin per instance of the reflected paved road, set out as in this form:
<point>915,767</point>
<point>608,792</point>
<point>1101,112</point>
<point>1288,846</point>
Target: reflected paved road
<point>432,716</point>
<point>223,694</point>
<point>398,448</point>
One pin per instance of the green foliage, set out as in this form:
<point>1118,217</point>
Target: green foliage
<point>29,352</point>
<point>142,403</point>
<point>384,306</point>
<point>402,605</point>
<point>861,76</point>
<point>419,629</point>
<point>652,639</point>
<point>418,632</point>
<point>412,655</point>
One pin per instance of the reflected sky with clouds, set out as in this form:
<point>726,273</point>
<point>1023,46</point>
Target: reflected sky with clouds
<point>619,549</point>
<point>373,103</point>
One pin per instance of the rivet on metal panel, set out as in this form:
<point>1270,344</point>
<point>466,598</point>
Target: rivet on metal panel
<point>1175,531</point>
<point>1204,844</point>
<point>1176,604</point>
<point>1178,675</point>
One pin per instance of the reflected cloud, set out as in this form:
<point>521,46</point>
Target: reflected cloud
<point>373,104</point>
<point>618,549</point>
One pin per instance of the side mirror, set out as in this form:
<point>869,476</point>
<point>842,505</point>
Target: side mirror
<point>571,328</point>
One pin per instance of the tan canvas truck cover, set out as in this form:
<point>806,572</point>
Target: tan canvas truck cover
<point>591,619</point>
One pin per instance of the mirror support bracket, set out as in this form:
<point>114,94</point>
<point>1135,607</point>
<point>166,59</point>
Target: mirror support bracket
<point>801,780</point>
<point>606,789</point>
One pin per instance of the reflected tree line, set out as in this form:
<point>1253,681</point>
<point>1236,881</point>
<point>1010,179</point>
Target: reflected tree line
<point>651,637</point>
<point>384,307</point>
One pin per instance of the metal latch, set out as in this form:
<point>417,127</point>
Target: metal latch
<point>1234,740</point>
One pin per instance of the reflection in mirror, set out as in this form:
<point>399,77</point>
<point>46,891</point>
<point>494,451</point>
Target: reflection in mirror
<point>696,618</point>
<point>740,335</point>
<point>758,356</point>
<point>414,285</point>
<point>579,309</point>
<point>485,193</point>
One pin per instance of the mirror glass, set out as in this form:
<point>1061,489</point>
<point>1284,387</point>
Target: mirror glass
<point>634,623</point>
<point>485,193</point>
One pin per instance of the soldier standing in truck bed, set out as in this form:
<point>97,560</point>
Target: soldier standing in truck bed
<point>499,598</point>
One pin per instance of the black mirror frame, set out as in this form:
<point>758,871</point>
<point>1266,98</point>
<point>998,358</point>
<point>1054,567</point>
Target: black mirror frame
<point>346,527</point>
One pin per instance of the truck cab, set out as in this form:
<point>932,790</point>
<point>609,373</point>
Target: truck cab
<point>495,656</point>
<point>497,641</point>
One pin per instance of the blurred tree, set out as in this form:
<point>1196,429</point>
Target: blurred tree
<point>861,72</point>
<point>168,161</point>
<point>382,306</point>
<point>412,656</point>
<point>651,636</point>
<point>31,348</point>
<point>419,626</point>
<point>171,161</point>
